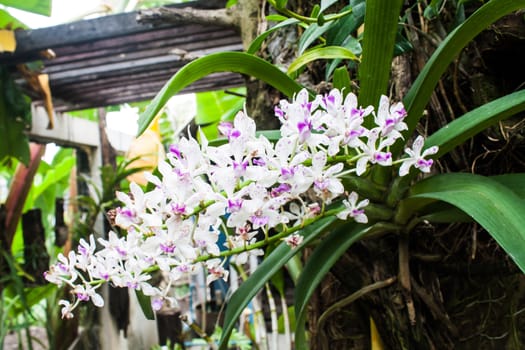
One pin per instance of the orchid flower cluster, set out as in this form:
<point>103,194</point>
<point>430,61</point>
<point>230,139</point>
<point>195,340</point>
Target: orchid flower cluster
<point>246,186</point>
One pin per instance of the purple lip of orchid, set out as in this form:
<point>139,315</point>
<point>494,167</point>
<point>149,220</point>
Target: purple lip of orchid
<point>126,212</point>
<point>282,188</point>
<point>258,162</point>
<point>227,129</point>
<point>156,303</point>
<point>167,248</point>
<point>357,112</point>
<point>423,163</point>
<point>183,268</point>
<point>278,112</point>
<point>82,250</point>
<point>259,221</point>
<point>329,100</point>
<point>179,209</point>
<point>382,157</point>
<point>121,251</point>
<point>62,267</point>
<point>288,173</point>
<point>234,205</point>
<point>175,151</point>
<point>132,285</point>
<point>321,184</point>
<point>82,296</point>
<point>356,212</point>
<point>239,168</point>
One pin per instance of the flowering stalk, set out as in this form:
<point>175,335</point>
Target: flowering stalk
<point>240,188</point>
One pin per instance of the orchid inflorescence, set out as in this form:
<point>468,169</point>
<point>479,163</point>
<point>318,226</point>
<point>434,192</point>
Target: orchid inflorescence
<point>242,187</point>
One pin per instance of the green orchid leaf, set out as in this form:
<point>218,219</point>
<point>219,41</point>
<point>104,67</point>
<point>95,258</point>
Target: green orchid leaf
<point>342,80</point>
<point>326,4</point>
<point>325,255</point>
<point>270,265</point>
<point>419,94</point>
<point>494,206</point>
<point>328,52</point>
<point>145,305</point>
<point>441,212</point>
<point>237,62</point>
<point>475,121</point>
<point>41,7</point>
<point>379,38</point>
<point>311,34</point>
<point>256,44</point>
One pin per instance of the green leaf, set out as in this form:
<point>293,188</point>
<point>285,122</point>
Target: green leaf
<point>325,255</point>
<point>270,265</point>
<point>276,18</point>
<point>145,304</point>
<point>419,94</point>
<point>311,34</point>
<point>432,10</point>
<point>342,81</point>
<point>473,122</point>
<point>8,21</point>
<point>256,44</point>
<point>214,106</point>
<point>237,62</point>
<point>328,52</point>
<point>15,119</point>
<point>494,206</point>
<point>41,7</point>
<point>344,27</point>
<point>326,4</point>
<point>379,38</point>
<point>280,4</point>
<point>52,176</point>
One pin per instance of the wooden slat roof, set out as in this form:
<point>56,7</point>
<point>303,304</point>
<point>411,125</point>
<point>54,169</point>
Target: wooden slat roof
<point>114,59</point>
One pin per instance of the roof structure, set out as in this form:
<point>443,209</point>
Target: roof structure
<point>115,59</point>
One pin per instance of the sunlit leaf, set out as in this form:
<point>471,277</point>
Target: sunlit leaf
<point>328,52</point>
<point>41,7</point>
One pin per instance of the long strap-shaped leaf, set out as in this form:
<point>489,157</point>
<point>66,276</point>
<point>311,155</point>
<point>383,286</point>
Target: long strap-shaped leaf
<point>381,22</point>
<point>325,255</point>
<point>419,94</point>
<point>271,264</point>
<point>473,122</point>
<point>494,206</point>
<point>328,52</point>
<point>237,62</point>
